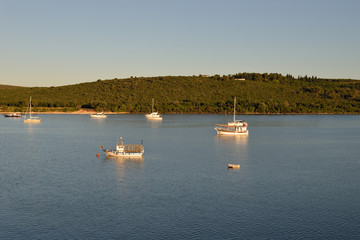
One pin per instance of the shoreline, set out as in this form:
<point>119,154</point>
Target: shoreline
<point>88,112</point>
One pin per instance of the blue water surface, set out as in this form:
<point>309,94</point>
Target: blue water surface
<point>299,178</point>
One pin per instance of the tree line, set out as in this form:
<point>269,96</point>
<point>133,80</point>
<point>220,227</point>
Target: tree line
<point>265,93</point>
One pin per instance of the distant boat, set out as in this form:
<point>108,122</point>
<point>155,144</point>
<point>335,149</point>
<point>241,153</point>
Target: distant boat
<point>153,115</point>
<point>125,150</point>
<point>237,127</point>
<point>98,115</point>
<point>31,119</point>
<point>13,115</point>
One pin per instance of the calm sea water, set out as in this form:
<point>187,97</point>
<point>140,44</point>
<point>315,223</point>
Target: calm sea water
<point>299,178</point>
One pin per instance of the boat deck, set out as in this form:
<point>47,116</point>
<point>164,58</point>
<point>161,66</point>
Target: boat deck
<point>133,148</point>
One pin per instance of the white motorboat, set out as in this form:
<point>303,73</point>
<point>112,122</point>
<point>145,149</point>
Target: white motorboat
<point>31,119</point>
<point>153,115</point>
<point>98,115</point>
<point>125,150</point>
<point>237,127</point>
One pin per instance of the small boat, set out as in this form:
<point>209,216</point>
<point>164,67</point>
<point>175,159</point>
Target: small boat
<point>237,127</point>
<point>233,165</point>
<point>125,150</point>
<point>31,119</point>
<point>153,115</point>
<point>98,115</point>
<point>13,115</point>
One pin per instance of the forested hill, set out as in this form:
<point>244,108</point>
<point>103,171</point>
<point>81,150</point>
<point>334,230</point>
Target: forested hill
<point>256,93</point>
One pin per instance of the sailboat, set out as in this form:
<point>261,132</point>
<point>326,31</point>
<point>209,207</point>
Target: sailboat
<point>153,115</point>
<point>237,127</point>
<point>31,119</point>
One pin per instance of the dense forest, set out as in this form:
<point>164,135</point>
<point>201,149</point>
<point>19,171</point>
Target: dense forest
<point>267,93</point>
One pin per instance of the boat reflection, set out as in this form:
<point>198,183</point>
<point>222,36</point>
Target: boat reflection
<point>233,146</point>
<point>127,160</point>
<point>125,166</point>
<point>155,124</point>
<point>99,121</point>
<point>31,127</point>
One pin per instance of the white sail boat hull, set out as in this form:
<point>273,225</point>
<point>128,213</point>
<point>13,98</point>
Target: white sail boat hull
<point>32,120</point>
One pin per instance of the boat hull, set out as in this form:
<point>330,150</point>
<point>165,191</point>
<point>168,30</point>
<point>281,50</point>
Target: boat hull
<point>231,133</point>
<point>13,115</point>
<point>152,118</point>
<point>32,120</point>
<point>97,116</point>
<point>117,154</point>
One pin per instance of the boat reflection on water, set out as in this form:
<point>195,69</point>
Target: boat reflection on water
<point>31,128</point>
<point>156,124</point>
<point>233,147</point>
<point>127,167</point>
<point>126,160</point>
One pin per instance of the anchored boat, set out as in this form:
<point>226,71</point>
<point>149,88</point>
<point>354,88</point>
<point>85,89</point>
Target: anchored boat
<point>237,127</point>
<point>31,119</point>
<point>98,115</point>
<point>153,115</point>
<point>13,115</point>
<point>125,150</point>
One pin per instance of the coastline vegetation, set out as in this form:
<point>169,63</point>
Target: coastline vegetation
<point>266,93</point>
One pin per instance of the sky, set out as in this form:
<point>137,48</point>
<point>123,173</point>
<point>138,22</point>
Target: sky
<point>55,43</point>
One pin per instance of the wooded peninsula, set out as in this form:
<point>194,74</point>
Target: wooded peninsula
<point>256,93</point>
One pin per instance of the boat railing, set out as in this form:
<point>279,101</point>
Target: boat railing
<point>225,126</point>
<point>130,148</point>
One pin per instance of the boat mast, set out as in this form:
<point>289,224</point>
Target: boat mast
<point>30,107</point>
<point>234,107</point>
<point>152,108</point>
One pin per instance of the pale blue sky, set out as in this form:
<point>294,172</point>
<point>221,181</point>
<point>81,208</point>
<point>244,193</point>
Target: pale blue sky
<point>62,42</point>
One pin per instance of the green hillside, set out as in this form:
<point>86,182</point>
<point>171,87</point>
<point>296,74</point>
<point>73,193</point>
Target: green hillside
<point>256,93</point>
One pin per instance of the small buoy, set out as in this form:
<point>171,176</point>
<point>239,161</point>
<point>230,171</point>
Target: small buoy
<point>101,146</point>
<point>98,154</point>
<point>233,165</point>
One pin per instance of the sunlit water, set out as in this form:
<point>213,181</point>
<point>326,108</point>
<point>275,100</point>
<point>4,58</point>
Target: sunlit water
<point>299,178</point>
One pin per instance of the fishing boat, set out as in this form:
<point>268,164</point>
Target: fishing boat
<point>125,150</point>
<point>153,115</point>
<point>98,115</point>
<point>236,127</point>
<point>31,119</point>
<point>13,115</point>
